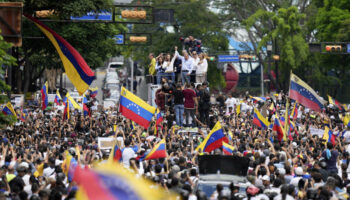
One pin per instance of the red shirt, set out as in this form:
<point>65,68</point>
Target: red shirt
<point>189,94</point>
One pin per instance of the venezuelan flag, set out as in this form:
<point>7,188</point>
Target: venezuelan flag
<point>77,70</point>
<point>213,140</point>
<point>116,154</point>
<point>238,109</point>
<point>134,108</point>
<point>159,117</point>
<point>294,113</point>
<point>66,111</point>
<point>346,121</point>
<point>86,110</point>
<point>111,181</point>
<point>58,98</point>
<point>93,92</point>
<point>258,99</point>
<point>230,135</point>
<point>23,116</point>
<point>260,120</point>
<point>8,110</point>
<point>304,94</point>
<point>72,102</point>
<point>159,151</point>
<point>69,166</point>
<point>328,136</point>
<point>277,126</point>
<point>336,103</point>
<point>227,149</point>
<point>44,96</point>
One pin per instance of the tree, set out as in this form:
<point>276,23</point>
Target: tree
<point>287,35</point>
<point>191,18</point>
<point>94,41</point>
<point>7,60</point>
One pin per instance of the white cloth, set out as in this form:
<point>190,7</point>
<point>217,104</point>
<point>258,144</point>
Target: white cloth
<point>128,153</point>
<point>187,65</point>
<point>202,68</point>
<point>48,171</point>
<point>195,63</point>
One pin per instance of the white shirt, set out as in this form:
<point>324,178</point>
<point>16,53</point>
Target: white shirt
<point>128,153</point>
<point>195,63</point>
<point>48,171</point>
<point>202,68</point>
<point>230,102</point>
<point>187,65</point>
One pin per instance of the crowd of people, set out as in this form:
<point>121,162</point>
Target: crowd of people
<point>302,167</point>
<point>191,66</point>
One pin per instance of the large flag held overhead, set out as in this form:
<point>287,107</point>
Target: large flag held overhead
<point>135,109</point>
<point>294,113</point>
<point>8,110</point>
<point>277,126</point>
<point>66,114</point>
<point>328,136</point>
<point>77,70</point>
<point>111,181</point>
<point>227,149</point>
<point>213,140</point>
<point>304,94</point>
<point>58,98</point>
<point>158,151</point>
<point>260,120</point>
<point>336,103</point>
<point>44,96</point>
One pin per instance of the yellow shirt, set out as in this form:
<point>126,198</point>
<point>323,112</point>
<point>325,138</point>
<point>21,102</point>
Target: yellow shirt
<point>152,67</point>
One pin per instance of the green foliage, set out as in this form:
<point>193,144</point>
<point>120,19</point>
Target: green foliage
<point>8,60</point>
<point>191,18</point>
<point>215,77</point>
<point>286,34</point>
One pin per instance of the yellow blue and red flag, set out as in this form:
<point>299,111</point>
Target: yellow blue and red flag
<point>135,109</point>
<point>158,151</point>
<point>86,110</point>
<point>66,114</point>
<point>58,98</point>
<point>260,120</point>
<point>277,126</point>
<point>336,103</point>
<point>304,94</point>
<point>8,110</point>
<point>44,96</point>
<point>346,121</point>
<point>328,136</point>
<point>258,99</point>
<point>69,166</point>
<point>294,113</point>
<point>230,135</point>
<point>76,68</point>
<point>227,149</point>
<point>159,117</point>
<point>116,154</point>
<point>213,140</point>
<point>111,181</point>
<point>93,92</point>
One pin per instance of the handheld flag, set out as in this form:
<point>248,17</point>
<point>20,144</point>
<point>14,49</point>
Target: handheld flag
<point>159,151</point>
<point>77,70</point>
<point>8,110</point>
<point>112,181</point>
<point>135,109</point>
<point>159,117</point>
<point>336,103</point>
<point>258,99</point>
<point>93,92</point>
<point>69,166</point>
<point>286,124</point>
<point>260,120</point>
<point>238,109</point>
<point>277,126</point>
<point>227,149</point>
<point>116,154</point>
<point>44,96</point>
<point>66,114</point>
<point>230,135</point>
<point>23,116</point>
<point>213,140</point>
<point>294,113</point>
<point>304,94</point>
<point>73,102</point>
<point>86,110</point>
<point>346,121</point>
<point>58,98</point>
<point>328,136</point>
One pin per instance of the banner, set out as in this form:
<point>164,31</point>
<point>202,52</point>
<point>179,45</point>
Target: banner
<point>106,142</point>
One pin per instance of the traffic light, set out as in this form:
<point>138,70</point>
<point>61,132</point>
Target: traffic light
<point>134,14</point>
<point>333,48</point>
<point>211,58</point>
<point>138,39</point>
